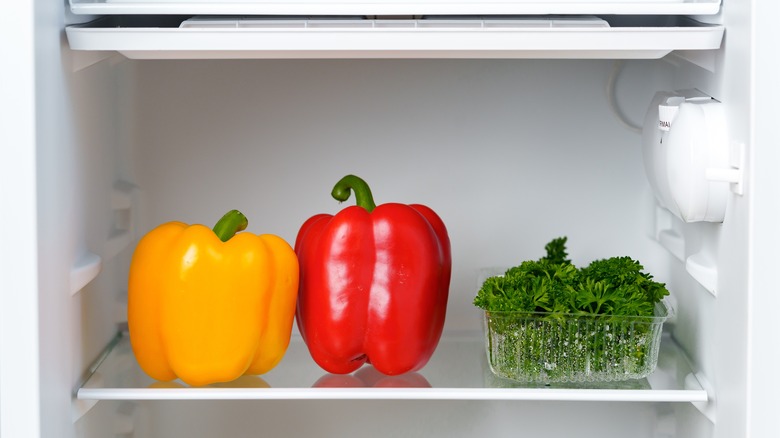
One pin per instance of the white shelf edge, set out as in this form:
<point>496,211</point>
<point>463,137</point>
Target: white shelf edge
<point>570,43</point>
<point>528,394</point>
<point>360,7</point>
<point>398,54</point>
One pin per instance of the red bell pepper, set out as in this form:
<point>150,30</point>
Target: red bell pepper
<point>374,283</point>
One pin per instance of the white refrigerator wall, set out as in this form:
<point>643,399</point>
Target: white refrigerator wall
<point>511,153</point>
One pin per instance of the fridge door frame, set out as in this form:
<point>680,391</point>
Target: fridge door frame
<point>20,398</point>
<point>30,32</point>
<point>764,299</point>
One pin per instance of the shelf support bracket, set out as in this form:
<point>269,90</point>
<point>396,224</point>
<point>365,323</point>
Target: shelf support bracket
<point>91,379</point>
<point>697,380</point>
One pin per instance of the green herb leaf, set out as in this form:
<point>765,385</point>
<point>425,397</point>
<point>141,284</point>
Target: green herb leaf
<point>556,251</point>
<point>613,286</point>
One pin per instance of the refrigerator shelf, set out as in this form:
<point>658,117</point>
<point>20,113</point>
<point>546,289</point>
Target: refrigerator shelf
<point>395,7</point>
<point>617,37</point>
<point>457,371</point>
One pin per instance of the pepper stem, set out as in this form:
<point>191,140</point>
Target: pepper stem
<point>230,224</point>
<point>363,197</point>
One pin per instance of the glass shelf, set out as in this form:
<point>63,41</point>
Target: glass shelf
<point>457,371</point>
<point>621,37</point>
<point>394,7</point>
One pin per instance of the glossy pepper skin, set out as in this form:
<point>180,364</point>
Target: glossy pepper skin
<point>207,310</point>
<point>374,284</point>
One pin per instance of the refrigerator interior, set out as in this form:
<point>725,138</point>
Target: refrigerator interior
<point>509,152</point>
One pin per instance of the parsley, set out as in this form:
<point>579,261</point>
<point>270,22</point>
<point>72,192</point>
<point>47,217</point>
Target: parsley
<point>549,321</point>
<point>556,251</point>
<point>614,286</point>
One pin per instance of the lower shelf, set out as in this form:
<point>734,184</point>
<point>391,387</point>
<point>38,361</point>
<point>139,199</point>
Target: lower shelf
<point>457,371</point>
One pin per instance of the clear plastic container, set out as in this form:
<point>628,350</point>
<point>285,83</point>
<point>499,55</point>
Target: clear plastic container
<point>547,348</point>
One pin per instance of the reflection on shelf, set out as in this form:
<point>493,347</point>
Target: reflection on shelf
<point>241,382</point>
<point>369,377</point>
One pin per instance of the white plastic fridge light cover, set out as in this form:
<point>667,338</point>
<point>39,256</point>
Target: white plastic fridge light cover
<point>685,140</point>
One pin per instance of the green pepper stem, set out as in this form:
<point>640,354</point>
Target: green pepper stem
<point>230,224</point>
<point>363,197</point>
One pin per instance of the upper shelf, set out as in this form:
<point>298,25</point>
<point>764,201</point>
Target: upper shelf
<point>457,371</point>
<point>394,7</point>
<point>608,37</point>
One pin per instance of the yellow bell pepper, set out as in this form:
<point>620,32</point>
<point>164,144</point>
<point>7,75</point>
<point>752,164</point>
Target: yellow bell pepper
<point>210,306</point>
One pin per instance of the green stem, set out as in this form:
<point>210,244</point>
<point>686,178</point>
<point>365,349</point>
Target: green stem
<point>230,224</point>
<point>363,197</point>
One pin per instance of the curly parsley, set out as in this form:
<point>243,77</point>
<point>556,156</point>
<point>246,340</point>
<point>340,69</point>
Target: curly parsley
<point>613,286</point>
